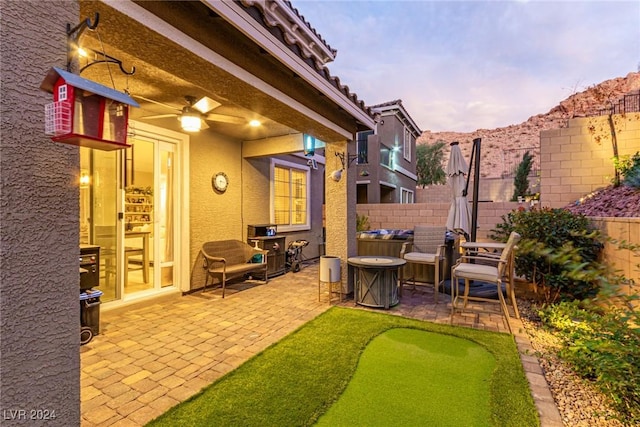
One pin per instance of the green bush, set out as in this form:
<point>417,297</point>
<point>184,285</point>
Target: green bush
<point>603,346</point>
<point>629,168</point>
<point>362,223</point>
<point>558,251</point>
<point>521,180</point>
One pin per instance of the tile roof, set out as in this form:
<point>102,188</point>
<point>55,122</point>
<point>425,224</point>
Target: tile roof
<point>305,41</point>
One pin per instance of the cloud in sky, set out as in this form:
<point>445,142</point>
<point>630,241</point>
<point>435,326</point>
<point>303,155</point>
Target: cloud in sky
<point>466,65</point>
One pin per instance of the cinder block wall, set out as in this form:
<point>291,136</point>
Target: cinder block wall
<point>489,190</point>
<point>397,216</point>
<point>577,160</point>
<point>623,260</point>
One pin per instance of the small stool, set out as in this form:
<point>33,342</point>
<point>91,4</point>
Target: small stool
<point>330,273</point>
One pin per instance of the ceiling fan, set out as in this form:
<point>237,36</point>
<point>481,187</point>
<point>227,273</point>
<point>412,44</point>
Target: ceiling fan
<point>194,115</point>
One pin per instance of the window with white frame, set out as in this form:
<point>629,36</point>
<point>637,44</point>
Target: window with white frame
<point>386,156</point>
<point>290,195</point>
<point>406,195</point>
<point>407,144</point>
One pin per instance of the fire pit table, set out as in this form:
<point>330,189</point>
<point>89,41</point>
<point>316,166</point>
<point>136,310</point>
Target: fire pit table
<point>376,280</point>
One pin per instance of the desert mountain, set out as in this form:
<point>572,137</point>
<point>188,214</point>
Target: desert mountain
<point>502,148</point>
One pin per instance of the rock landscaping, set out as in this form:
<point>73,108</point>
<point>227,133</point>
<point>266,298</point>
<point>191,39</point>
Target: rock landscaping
<point>579,402</point>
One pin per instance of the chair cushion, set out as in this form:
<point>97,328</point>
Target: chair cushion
<point>420,257</point>
<point>467,270</point>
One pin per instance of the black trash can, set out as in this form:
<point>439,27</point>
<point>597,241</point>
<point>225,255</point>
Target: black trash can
<point>90,309</point>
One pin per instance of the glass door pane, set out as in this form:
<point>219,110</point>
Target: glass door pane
<point>139,216</point>
<point>99,213</point>
<point>166,214</point>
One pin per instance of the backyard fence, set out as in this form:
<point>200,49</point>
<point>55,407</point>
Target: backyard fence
<point>629,103</point>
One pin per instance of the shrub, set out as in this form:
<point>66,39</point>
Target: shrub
<point>521,180</point>
<point>601,337</point>
<point>362,223</point>
<point>629,168</point>
<point>558,251</point>
<point>603,346</point>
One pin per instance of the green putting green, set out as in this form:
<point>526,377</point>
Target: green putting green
<point>306,374</point>
<point>409,377</point>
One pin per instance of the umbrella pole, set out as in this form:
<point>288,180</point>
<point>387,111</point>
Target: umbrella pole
<point>476,186</point>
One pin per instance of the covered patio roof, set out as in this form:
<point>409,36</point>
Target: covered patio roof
<point>231,52</point>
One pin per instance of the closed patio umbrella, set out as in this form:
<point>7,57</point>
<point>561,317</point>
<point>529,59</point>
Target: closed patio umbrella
<point>459,218</point>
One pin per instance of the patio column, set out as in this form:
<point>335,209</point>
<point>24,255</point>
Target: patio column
<point>340,208</point>
<point>39,232</point>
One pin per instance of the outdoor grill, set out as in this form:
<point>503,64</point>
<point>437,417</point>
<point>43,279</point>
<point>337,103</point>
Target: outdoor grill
<point>89,298</point>
<point>89,267</point>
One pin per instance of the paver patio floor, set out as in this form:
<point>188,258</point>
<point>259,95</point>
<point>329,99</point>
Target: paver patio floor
<point>154,355</point>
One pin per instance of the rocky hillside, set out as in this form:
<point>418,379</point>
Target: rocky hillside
<point>500,146</point>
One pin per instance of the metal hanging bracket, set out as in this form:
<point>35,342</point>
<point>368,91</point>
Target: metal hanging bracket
<point>73,36</point>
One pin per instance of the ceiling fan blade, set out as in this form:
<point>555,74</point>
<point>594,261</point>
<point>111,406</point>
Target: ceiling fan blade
<point>225,119</point>
<point>160,116</point>
<point>206,104</point>
<point>157,102</point>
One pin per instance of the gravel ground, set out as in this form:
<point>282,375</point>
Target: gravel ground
<point>579,402</point>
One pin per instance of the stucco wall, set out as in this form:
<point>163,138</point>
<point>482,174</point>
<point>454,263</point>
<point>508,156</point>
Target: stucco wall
<point>214,216</point>
<point>577,160</point>
<point>39,226</point>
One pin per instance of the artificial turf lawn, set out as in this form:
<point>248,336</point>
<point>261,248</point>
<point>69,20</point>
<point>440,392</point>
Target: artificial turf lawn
<point>298,379</point>
<point>408,377</point>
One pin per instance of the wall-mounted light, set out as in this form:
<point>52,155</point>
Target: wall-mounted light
<point>254,123</point>
<point>345,160</point>
<point>309,145</point>
<point>85,179</point>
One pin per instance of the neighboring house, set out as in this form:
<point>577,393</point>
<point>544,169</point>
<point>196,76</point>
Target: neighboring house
<point>256,60</point>
<point>387,157</point>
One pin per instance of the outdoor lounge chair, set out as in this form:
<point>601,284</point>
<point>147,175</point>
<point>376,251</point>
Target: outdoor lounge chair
<point>488,268</point>
<point>427,248</point>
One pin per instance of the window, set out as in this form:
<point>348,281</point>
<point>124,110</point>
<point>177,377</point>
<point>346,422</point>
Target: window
<point>406,196</point>
<point>362,146</point>
<point>290,195</point>
<point>407,144</point>
<point>386,156</point>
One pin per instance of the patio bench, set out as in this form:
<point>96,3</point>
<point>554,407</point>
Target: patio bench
<point>227,259</point>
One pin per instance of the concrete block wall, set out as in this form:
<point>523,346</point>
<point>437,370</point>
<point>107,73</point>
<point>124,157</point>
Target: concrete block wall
<point>578,160</point>
<point>623,260</point>
<point>400,216</point>
<point>489,190</point>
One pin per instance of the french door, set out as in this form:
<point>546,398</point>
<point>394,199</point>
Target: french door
<point>129,207</point>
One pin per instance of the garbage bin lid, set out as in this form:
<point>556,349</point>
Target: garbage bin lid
<point>90,293</point>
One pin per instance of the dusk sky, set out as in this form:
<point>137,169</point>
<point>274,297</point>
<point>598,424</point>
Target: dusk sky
<point>466,65</point>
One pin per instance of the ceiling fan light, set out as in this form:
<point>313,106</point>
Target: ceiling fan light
<point>190,122</point>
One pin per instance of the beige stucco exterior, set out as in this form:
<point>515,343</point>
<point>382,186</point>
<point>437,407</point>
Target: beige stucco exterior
<point>39,309</point>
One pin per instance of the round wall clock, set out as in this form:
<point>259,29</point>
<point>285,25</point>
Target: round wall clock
<point>220,182</point>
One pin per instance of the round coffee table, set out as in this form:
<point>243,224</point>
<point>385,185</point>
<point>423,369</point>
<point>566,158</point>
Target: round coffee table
<point>376,280</point>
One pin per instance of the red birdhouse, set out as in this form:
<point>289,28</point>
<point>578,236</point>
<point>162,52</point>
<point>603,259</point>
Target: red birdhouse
<point>85,113</point>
